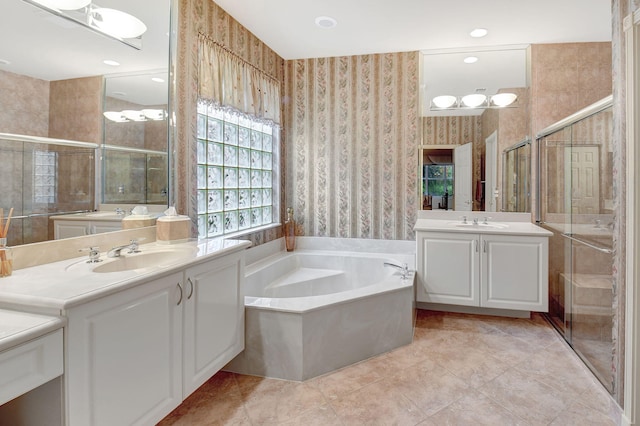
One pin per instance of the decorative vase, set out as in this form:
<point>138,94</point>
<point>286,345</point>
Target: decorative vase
<point>290,231</point>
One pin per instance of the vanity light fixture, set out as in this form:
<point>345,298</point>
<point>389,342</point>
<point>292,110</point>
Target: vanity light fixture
<point>111,23</point>
<point>64,4</point>
<point>326,22</point>
<point>473,101</point>
<point>116,22</point>
<point>478,32</point>
<point>135,115</point>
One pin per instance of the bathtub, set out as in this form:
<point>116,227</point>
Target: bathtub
<point>328,304</point>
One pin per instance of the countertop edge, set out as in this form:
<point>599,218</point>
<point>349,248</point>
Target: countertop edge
<point>31,332</point>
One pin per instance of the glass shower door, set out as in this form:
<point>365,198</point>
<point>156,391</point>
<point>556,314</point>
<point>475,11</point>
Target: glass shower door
<point>575,204</point>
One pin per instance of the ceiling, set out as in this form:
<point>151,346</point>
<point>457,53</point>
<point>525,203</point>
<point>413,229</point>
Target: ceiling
<point>438,28</point>
<point>41,45</point>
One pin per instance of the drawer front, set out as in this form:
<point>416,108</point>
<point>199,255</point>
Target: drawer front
<point>30,365</point>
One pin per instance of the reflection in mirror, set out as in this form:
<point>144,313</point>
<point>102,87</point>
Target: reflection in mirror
<point>516,178</point>
<point>135,139</point>
<point>489,129</point>
<point>51,123</point>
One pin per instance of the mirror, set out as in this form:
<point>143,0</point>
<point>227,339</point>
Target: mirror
<point>56,79</point>
<point>489,130</point>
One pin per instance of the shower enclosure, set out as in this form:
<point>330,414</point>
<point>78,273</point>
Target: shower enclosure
<point>575,202</point>
<point>516,173</point>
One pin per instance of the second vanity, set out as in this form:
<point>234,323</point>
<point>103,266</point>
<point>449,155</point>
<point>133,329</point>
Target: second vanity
<point>143,331</point>
<point>466,260</point>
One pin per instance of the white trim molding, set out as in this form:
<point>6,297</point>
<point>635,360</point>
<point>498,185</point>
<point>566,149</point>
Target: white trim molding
<point>632,303</point>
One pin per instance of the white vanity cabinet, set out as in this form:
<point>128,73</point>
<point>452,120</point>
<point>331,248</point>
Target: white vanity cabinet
<point>484,270</point>
<point>124,353</point>
<point>79,228</point>
<point>213,318</point>
<point>135,355</point>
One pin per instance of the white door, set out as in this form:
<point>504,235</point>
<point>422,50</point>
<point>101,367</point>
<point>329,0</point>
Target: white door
<point>124,356</point>
<point>491,173</point>
<point>448,268</point>
<point>584,183</point>
<point>514,272</point>
<point>462,177</point>
<point>214,318</point>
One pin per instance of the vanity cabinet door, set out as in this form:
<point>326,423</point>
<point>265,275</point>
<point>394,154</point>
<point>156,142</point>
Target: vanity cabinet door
<point>448,268</point>
<point>70,228</point>
<point>99,227</point>
<point>514,272</point>
<point>123,361</point>
<point>213,318</point>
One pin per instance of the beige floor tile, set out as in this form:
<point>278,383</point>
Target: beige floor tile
<point>347,380</point>
<point>203,409</point>
<point>580,414</point>
<point>281,402</point>
<point>459,370</point>
<point>559,368</point>
<point>473,366</point>
<point>429,385</point>
<point>319,416</point>
<point>527,398</point>
<point>377,404</point>
<point>475,409</point>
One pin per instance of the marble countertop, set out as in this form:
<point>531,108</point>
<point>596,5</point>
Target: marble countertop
<point>498,223</point>
<point>103,216</point>
<point>62,285</point>
<point>20,327</point>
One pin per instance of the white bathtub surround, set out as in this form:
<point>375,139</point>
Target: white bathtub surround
<point>328,304</point>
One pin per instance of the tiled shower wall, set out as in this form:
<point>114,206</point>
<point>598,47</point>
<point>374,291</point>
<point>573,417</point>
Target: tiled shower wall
<point>352,138</point>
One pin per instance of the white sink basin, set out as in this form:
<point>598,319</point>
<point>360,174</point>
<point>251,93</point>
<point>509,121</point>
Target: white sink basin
<point>143,260</point>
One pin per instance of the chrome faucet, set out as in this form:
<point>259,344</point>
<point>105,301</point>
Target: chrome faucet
<point>132,246</point>
<point>404,269</point>
<point>94,254</point>
<point>475,220</point>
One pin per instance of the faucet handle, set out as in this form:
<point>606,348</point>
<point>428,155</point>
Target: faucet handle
<point>94,254</point>
<point>486,219</point>
<point>464,219</point>
<point>133,247</point>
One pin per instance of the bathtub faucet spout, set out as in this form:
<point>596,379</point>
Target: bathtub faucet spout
<point>404,269</point>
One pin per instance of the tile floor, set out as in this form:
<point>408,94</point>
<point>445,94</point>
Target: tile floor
<point>460,370</point>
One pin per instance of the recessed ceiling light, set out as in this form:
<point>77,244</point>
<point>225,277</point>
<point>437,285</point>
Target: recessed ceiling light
<point>157,79</point>
<point>326,22</point>
<point>111,62</point>
<point>4,62</point>
<point>479,32</point>
<point>470,59</point>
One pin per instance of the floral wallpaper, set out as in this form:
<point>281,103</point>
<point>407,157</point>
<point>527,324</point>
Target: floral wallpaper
<point>352,145</point>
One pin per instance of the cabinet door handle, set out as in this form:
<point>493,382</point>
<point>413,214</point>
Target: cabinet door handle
<point>180,300</point>
<point>476,244</point>
<point>484,246</point>
<point>190,288</point>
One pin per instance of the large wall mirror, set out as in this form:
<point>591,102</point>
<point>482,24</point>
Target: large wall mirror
<point>461,158</point>
<point>60,153</point>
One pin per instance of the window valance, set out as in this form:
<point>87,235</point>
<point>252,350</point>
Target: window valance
<point>229,81</point>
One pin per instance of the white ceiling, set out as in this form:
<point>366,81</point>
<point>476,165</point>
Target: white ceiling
<point>438,28</point>
<point>41,45</point>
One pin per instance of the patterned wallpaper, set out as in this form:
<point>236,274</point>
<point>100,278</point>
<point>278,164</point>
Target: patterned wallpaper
<point>351,157</point>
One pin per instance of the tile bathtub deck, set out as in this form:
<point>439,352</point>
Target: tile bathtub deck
<point>460,370</point>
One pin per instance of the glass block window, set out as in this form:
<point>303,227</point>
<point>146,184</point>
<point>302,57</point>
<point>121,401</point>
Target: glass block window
<point>237,172</point>
<point>45,176</point>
